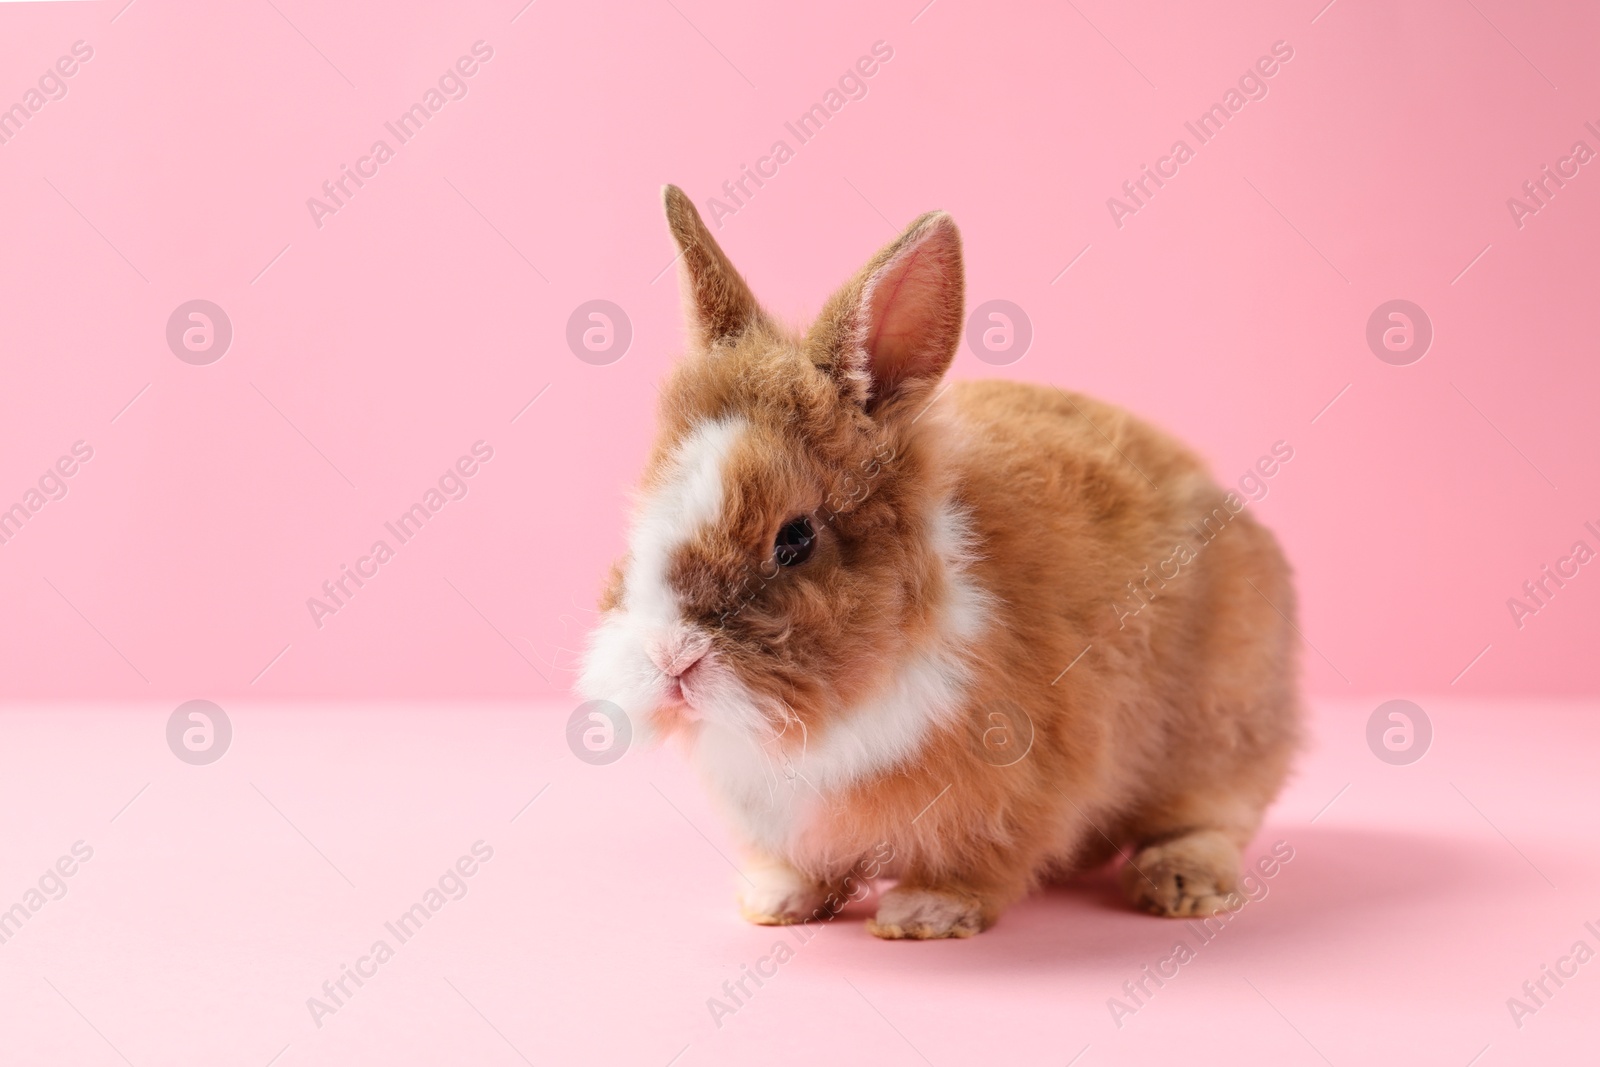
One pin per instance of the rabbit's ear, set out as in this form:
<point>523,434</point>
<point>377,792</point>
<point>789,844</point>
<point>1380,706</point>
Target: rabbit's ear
<point>893,329</point>
<point>717,302</point>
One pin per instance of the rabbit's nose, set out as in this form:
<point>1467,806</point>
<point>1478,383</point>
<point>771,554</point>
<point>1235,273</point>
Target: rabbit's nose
<point>675,653</point>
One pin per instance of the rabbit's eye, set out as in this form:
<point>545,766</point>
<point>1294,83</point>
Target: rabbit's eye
<point>796,538</point>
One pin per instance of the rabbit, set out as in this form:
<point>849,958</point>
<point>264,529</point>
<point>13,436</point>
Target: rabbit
<point>996,631</point>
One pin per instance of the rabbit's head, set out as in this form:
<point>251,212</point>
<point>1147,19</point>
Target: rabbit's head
<point>789,541</point>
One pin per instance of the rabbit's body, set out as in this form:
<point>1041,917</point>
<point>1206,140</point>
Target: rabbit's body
<point>1025,629</point>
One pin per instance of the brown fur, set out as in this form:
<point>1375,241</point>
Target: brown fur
<point>1170,734</point>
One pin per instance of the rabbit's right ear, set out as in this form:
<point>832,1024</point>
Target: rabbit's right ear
<point>890,334</point>
<point>717,302</point>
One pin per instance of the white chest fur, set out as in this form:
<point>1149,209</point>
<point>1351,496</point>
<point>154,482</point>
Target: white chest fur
<point>774,787</point>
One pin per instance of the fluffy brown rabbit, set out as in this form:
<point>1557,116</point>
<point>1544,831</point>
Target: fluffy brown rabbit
<point>996,631</point>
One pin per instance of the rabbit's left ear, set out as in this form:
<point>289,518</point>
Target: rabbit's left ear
<point>894,328</point>
<point>717,303</point>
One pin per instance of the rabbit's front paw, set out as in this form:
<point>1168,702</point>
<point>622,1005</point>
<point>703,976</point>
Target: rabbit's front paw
<point>1195,874</point>
<point>779,895</point>
<point>921,914</point>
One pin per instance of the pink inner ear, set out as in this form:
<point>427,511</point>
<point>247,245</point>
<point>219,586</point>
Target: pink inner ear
<point>912,306</point>
<point>889,311</point>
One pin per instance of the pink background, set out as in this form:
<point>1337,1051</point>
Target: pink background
<point>429,312</point>
<point>407,328</point>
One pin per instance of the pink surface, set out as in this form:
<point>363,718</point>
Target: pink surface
<point>222,897</point>
<point>373,346</point>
